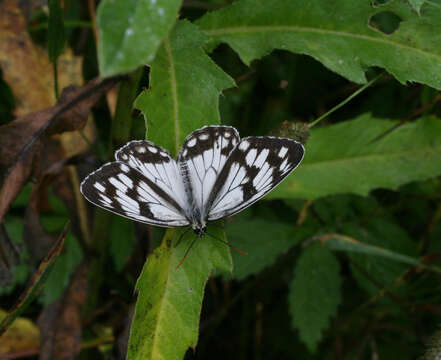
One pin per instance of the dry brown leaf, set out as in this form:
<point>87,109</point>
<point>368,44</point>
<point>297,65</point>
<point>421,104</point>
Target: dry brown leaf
<point>25,139</point>
<point>26,67</point>
<point>22,337</point>
<point>60,323</point>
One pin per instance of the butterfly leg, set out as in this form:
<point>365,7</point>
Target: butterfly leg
<point>182,236</point>
<point>186,252</point>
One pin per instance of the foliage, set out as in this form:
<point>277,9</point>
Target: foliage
<point>343,257</point>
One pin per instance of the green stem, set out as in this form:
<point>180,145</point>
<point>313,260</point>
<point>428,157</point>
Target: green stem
<point>67,23</point>
<point>55,79</point>
<point>121,126</point>
<point>349,98</point>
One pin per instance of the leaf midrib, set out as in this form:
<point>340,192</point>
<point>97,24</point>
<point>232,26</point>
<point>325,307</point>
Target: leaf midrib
<point>375,156</point>
<point>174,91</point>
<point>158,321</point>
<point>291,28</point>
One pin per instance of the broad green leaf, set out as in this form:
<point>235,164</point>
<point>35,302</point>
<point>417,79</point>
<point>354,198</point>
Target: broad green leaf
<point>56,35</point>
<point>342,158</point>
<point>36,283</point>
<point>336,33</point>
<point>184,88</point>
<point>166,319</point>
<point>314,293</point>
<point>264,241</point>
<point>131,31</point>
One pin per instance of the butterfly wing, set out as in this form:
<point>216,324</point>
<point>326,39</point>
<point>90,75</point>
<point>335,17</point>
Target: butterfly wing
<point>143,185</point>
<point>253,168</point>
<point>202,157</point>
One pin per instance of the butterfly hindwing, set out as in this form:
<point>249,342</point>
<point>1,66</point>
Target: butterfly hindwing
<point>123,190</point>
<point>202,157</point>
<point>253,168</point>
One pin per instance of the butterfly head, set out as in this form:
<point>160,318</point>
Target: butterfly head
<point>199,230</point>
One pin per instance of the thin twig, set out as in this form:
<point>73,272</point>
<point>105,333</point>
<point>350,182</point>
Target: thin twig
<point>410,117</point>
<point>349,98</point>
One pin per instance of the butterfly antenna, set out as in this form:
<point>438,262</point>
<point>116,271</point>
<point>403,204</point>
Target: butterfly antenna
<point>186,253</point>
<point>182,236</point>
<point>231,246</point>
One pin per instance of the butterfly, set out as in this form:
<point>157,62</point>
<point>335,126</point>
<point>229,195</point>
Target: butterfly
<point>216,175</point>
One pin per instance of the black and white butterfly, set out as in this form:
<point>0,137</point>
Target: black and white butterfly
<point>216,175</point>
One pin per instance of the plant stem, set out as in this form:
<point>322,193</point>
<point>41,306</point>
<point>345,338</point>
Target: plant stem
<point>349,98</point>
<point>55,79</point>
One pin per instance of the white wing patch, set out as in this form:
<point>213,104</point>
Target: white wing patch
<point>130,194</point>
<point>156,164</point>
<point>202,157</point>
<point>254,167</point>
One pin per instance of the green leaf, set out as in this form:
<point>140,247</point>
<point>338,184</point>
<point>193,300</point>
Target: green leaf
<point>314,293</point>
<point>36,282</point>
<point>342,158</point>
<point>184,88</point>
<point>131,31</point>
<point>389,237</point>
<point>264,241</point>
<point>56,34</point>
<point>166,319</point>
<point>416,4</point>
<point>122,240</point>
<point>336,33</point>
<point>346,243</point>
<point>58,279</point>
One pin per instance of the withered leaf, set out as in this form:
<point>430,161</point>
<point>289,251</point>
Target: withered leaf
<point>60,323</point>
<point>23,139</point>
<point>35,283</point>
<point>26,67</point>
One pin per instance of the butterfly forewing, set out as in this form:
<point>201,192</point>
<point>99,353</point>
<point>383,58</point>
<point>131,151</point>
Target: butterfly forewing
<point>253,168</point>
<point>202,157</point>
<point>126,191</point>
<point>156,164</point>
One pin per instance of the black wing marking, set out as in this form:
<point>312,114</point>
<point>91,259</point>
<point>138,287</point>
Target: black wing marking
<point>156,164</point>
<point>254,168</point>
<point>125,191</point>
<point>202,158</point>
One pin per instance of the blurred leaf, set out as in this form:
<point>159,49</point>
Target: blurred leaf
<point>35,284</point>
<point>122,240</point>
<point>23,140</point>
<point>346,243</point>
<point>23,336</point>
<point>184,89</point>
<point>388,236</point>
<point>56,36</point>
<point>131,31</point>
<point>416,4</point>
<point>58,279</point>
<point>26,67</point>
<point>314,293</point>
<point>9,256</point>
<point>358,165</point>
<point>166,320</point>
<point>335,33</point>
<point>61,322</point>
<point>433,351</point>
<point>264,241</point>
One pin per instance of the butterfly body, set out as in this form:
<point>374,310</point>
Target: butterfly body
<point>216,175</point>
